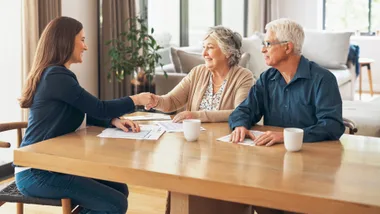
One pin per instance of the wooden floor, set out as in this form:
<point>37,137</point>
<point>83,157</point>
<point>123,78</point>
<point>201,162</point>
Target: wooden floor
<point>141,201</point>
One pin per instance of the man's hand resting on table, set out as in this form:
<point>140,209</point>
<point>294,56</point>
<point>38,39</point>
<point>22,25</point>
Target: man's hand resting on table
<point>269,138</point>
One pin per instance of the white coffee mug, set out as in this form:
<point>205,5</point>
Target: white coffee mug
<point>293,139</point>
<point>191,129</point>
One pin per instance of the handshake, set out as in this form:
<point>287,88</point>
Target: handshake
<point>146,99</point>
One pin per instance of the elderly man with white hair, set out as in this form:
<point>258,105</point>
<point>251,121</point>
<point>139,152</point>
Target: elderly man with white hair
<point>294,92</point>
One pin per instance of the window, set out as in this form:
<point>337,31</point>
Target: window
<point>167,20</point>
<point>201,17</point>
<point>233,15</point>
<point>10,73</point>
<point>354,15</point>
<point>188,20</point>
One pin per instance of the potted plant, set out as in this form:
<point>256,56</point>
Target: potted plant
<point>134,52</point>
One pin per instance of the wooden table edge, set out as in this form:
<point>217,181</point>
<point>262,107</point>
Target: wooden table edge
<point>239,194</point>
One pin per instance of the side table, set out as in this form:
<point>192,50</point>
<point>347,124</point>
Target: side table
<point>365,62</point>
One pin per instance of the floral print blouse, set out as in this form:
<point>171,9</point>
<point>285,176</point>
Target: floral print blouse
<point>210,101</point>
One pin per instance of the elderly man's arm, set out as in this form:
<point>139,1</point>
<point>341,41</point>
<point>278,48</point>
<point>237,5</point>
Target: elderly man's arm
<point>328,112</point>
<point>250,110</point>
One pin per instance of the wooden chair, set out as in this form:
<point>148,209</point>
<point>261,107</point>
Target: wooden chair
<point>351,125</point>
<point>10,192</point>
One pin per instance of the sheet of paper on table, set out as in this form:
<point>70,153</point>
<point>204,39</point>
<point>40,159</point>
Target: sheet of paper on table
<point>247,141</point>
<point>148,132</point>
<point>169,126</point>
<point>149,116</point>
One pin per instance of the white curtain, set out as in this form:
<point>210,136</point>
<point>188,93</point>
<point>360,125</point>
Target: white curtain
<point>260,12</point>
<point>29,37</point>
<point>35,15</point>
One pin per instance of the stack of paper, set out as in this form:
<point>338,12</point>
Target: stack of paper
<point>148,132</point>
<point>247,141</point>
<point>150,116</point>
<point>169,126</point>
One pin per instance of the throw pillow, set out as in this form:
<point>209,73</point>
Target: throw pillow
<point>174,56</point>
<point>253,45</point>
<point>328,49</point>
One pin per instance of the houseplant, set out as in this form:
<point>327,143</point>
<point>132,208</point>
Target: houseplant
<point>134,52</point>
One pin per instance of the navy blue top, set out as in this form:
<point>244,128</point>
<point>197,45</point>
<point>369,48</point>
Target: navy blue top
<point>311,101</point>
<point>59,105</point>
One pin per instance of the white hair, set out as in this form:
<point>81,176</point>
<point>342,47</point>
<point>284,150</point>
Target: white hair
<point>288,30</point>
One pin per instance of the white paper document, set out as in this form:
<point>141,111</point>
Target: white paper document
<point>149,116</point>
<point>247,141</point>
<point>147,132</point>
<point>169,126</point>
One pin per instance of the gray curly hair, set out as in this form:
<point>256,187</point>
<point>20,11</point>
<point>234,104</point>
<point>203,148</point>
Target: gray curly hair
<point>228,41</point>
<point>288,30</point>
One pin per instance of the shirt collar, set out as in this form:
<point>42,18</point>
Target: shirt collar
<point>303,71</point>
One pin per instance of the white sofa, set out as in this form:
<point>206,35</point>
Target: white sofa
<point>366,116</point>
<point>329,49</point>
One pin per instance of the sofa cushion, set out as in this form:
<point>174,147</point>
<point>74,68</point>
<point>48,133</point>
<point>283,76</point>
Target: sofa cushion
<point>328,49</point>
<point>188,60</point>
<point>342,75</point>
<point>174,56</point>
<point>376,100</point>
<point>366,116</point>
<point>253,45</point>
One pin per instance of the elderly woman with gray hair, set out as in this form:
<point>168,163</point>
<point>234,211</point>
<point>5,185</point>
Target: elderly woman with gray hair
<point>211,91</point>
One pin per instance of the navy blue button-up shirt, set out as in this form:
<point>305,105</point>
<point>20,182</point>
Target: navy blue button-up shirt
<point>311,101</point>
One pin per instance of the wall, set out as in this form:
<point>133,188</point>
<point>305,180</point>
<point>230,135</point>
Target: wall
<point>10,73</point>
<point>85,11</point>
<point>309,13</point>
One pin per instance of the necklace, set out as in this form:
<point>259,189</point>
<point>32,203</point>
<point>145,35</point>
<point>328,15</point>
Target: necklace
<point>217,85</point>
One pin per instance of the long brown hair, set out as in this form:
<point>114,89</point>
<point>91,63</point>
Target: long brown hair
<point>55,47</point>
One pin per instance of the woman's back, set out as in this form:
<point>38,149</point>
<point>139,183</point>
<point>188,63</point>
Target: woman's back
<point>50,116</point>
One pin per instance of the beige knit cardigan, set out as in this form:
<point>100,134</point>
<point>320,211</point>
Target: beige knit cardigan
<point>191,89</point>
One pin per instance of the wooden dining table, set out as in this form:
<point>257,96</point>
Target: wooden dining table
<point>325,177</point>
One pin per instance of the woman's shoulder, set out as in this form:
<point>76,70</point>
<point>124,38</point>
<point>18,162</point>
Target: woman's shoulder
<point>241,72</point>
<point>199,68</point>
<point>57,70</point>
<point>198,71</point>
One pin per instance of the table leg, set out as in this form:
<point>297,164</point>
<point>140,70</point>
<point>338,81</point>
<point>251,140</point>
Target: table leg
<point>179,203</point>
<point>189,204</point>
<point>370,80</point>
<point>360,83</point>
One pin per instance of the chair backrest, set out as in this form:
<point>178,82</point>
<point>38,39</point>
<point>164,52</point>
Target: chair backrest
<point>11,126</point>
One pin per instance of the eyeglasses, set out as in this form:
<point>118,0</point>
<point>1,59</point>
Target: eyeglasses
<point>270,44</point>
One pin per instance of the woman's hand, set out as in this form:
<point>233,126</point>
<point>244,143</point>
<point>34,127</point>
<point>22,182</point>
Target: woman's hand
<point>126,125</point>
<point>154,102</point>
<point>183,116</point>
<point>145,98</point>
